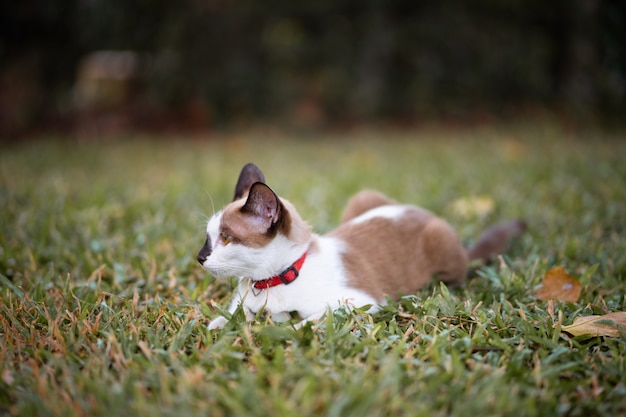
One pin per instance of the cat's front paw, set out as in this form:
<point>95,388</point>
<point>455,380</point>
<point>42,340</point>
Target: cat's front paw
<point>217,323</point>
<point>313,319</point>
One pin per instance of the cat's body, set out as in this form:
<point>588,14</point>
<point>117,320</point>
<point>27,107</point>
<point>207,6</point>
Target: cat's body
<point>380,249</point>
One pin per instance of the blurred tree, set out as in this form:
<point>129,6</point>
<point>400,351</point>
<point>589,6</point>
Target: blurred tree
<point>38,55</point>
<point>322,62</point>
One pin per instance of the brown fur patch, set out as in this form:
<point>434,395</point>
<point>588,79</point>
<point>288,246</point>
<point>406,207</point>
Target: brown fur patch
<point>299,231</point>
<point>244,228</point>
<point>248,230</point>
<point>399,256</point>
<point>362,202</point>
<point>494,240</point>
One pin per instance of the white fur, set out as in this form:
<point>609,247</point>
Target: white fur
<point>392,212</point>
<point>322,282</point>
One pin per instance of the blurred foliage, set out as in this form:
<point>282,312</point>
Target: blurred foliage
<point>323,62</point>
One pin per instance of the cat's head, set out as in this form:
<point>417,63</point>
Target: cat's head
<point>255,234</point>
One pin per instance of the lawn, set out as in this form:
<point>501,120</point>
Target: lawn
<point>103,307</point>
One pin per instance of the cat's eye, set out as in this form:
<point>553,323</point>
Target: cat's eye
<point>225,239</point>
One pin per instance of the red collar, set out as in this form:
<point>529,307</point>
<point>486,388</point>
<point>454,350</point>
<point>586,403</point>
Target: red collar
<point>288,276</point>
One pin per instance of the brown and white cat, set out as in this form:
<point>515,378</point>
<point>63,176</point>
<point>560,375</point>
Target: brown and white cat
<point>381,248</point>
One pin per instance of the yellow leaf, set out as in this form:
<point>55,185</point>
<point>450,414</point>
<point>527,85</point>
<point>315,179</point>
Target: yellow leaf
<point>558,285</point>
<point>479,206</point>
<point>606,325</point>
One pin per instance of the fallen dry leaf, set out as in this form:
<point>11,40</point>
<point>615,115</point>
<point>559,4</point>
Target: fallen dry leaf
<point>558,285</point>
<point>606,325</point>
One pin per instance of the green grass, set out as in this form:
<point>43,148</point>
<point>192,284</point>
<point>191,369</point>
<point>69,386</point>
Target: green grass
<point>103,308</point>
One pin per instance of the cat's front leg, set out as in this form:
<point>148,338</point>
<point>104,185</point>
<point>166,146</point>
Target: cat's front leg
<point>220,322</point>
<point>280,317</point>
<point>310,319</point>
<point>217,323</point>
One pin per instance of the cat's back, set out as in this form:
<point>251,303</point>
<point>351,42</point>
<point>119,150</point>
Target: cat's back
<point>389,229</point>
<point>395,249</point>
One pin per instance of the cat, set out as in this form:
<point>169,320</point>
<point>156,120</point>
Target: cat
<point>381,249</point>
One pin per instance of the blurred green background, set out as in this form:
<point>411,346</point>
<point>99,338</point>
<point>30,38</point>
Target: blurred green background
<point>201,64</point>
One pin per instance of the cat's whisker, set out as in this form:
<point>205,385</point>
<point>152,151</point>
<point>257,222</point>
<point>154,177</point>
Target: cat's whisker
<point>202,219</point>
<point>212,202</point>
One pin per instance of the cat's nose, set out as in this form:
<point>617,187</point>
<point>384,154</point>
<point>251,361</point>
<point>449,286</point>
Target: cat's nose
<point>204,252</point>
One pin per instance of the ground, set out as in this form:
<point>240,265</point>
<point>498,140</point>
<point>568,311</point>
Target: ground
<point>103,307</point>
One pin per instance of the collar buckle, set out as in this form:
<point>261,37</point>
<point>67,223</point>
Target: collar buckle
<point>288,280</point>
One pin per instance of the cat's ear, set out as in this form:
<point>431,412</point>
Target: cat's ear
<point>263,203</point>
<point>250,174</point>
